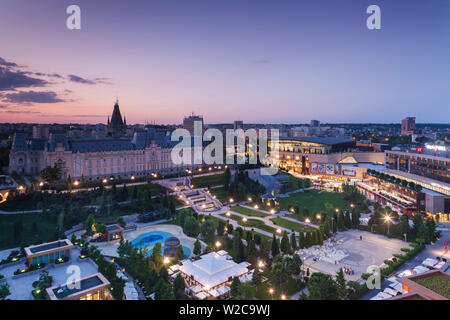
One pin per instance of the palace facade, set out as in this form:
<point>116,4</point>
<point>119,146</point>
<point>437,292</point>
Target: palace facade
<point>115,156</point>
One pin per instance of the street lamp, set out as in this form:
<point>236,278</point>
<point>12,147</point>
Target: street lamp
<point>255,206</point>
<point>166,260</point>
<point>228,214</point>
<point>271,293</point>
<point>278,230</point>
<point>218,244</point>
<point>388,221</point>
<point>231,200</point>
<point>307,220</point>
<point>352,205</point>
<point>283,297</point>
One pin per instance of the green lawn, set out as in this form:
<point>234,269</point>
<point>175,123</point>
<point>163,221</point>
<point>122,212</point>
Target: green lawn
<point>314,201</point>
<point>438,283</point>
<point>220,193</point>
<point>250,223</point>
<point>45,230</point>
<point>289,224</point>
<point>211,180</point>
<point>248,212</point>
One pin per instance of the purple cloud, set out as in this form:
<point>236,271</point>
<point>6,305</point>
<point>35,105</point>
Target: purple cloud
<point>32,97</point>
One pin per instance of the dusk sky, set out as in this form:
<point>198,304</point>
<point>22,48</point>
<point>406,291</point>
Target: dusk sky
<point>259,61</point>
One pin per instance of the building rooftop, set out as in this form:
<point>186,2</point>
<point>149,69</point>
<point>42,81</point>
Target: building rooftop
<point>113,227</point>
<point>213,269</point>
<point>48,246</point>
<point>63,291</point>
<point>321,140</point>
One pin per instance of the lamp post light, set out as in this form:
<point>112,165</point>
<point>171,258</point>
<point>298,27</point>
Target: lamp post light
<point>271,291</point>
<point>166,260</point>
<point>231,200</point>
<point>279,231</point>
<point>388,221</point>
<point>283,297</point>
<point>218,244</point>
<point>307,220</point>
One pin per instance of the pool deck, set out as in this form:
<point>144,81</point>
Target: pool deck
<point>110,248</point>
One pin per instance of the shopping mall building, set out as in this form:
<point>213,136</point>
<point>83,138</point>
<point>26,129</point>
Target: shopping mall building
<point>334,158</point>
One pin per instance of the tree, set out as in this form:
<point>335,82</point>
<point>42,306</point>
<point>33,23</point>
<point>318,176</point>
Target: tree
<point>246,291</point>
<point>50,175</point>
<point>252,253</point>
<point>191,227</point>
<point>238,248</point>
<point>285,246</point>
<point>301,240</point>
<point>308,239</point>
<point>235,287</point>
<point>90,223</point>
<point>163,291</point>
<point>347,220</point>
<point>220,227</point>
<point>156,253</point>
<point>315,237</point>
<point>257,277</point>
<point>197,247</point>
<point>227,178</point>
<point>178,286</point>
<point>293,241</point>
<point>208,231</point>
<point>4,291</point>
<point>179,254</point>
<point>118,286</point>
<point>275,248</point>
<point>340,222</point>
<point>101,228</point>
<point>341,285</point>
<point>322,287</point>
<point>430,230</point>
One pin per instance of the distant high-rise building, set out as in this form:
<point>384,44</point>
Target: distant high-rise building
<point>41,132</point>
<point>117,126</point>
<point>315,123</point>
<point>238,124</point>
<point>408,126</point>
<point>189,122</point>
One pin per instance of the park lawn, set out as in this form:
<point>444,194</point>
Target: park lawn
<point>248,212</point>
<point>289,224</point>
<point>220,193</point>
<point>251,223</point>
<point>314,201</point>
<point>288,288</point>
<point>46,230</point>
<point>210,180</point>
<point>154,188</point>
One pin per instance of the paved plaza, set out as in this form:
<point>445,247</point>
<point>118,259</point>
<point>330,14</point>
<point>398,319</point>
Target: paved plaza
<point>373,249</point>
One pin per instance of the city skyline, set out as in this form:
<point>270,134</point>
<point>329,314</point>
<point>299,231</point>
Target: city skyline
<point>268,62</point>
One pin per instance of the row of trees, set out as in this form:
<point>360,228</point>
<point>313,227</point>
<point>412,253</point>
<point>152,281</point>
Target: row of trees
<point>405,184</point>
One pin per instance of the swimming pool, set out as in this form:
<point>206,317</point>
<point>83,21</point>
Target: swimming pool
<point>151,238</point>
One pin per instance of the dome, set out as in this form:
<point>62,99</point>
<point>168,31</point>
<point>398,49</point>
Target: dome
<point>172,242</point>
